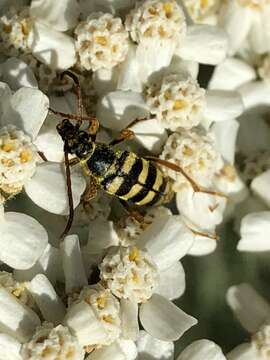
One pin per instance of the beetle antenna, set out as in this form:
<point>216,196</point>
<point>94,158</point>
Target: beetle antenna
<point>70,197</point>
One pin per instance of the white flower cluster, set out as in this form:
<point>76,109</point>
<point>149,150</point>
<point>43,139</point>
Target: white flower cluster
<point>195,152</point>
<point>80,76</point>
<point>129,273</point>
<point>177,102</point>
<point>18,158</point>
<point>203,11</point>
<point>101,42</point>
<point>51,342</point>
<point>156,19</point>
<point>15,29</point>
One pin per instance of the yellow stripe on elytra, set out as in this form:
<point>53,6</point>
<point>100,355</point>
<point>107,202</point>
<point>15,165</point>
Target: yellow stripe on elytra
<point>144,172</point>
<point>147,199</point>
<point>159,180</point>
<point>129,162</point>
<point>132,192</point>
<point>115,185</point>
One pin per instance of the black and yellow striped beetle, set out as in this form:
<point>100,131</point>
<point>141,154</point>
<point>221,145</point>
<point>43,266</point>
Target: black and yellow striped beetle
<point>133,179</point>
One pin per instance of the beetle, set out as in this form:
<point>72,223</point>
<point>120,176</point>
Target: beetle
<point>133,179</point>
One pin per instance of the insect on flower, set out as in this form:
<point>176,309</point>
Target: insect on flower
<point>136,181</point>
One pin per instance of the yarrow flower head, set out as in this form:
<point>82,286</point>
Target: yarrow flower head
<point>101,42</point>
<point>128,229</point>
<point>15,29</point>
<point>254,4</point>
<point>195,152</point>
<point>261,342</point>
<point>156,19</point>
<point>129,273</point>
<point>106,308</point>
<point>51,342</point>
<point>203,11</point>
<point>18,158</point>
<point>177,102</point>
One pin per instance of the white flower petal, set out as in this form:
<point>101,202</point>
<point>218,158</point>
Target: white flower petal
<point>52,47</point>
<point>47,188</point>
<point>105,80</point>
<point>260,187</point>
<point>154,349</point>
<point>128,347</point>
<point>146,56</point>
<point>251,309</point>
<point>5,94</point>
<point>230,74</point>
<point>118,109</point>
<point>17,319</point>
<point>129,319</point>
<point>49,303</point>
<point>27,110</point>
<point>128,73</point>
<point>23,240</point>
<point>251,204</point>
<point>243,352</point>
<point>9,348</point>
<point>202,245</point>
<point>111,352</point>
<point>18,74</point>
<point>150,134</point>
<point>82,320</point>
<point>104,231</point>
<point>223,105</point>
<point>167,239</point>
<point>172,282</point>
<point>204,44</point>
<point>178,65</point>
<point>203,210</point>
<point>61,15</point>
<point>256,93</point>
<point>200,350</point>
<point>49,263</point>
<point>75,276</point>
<point>225,135</point>
<point>164,320</point>
<point>232,15</point>
<point>259,36</point>
<point>255,229</point>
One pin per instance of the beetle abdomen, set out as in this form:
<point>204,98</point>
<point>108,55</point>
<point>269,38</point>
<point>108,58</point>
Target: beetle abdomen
<point>129,177</point>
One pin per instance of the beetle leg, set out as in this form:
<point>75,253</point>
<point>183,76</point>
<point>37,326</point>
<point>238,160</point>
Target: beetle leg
<point>134,213</point>
<point>126,133</point>
<point>196,187</point>
<point>89,193</point>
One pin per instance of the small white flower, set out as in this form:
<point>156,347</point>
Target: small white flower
<point>106,308</point>
<point>253,15</point>
<point>15,28</point>
<point>195,152</point>
<point>253,312</point>
<point>203,12</point>
<point>149,347</point>
<point>177,101</point>
<point>38,30</point>
<point>101,42</point>
<point>51,342</point>
<point>128,229</point>
<point>16,288</point>
<point>18,159</point>
<point>129,273</point>
<point>157,19</point>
